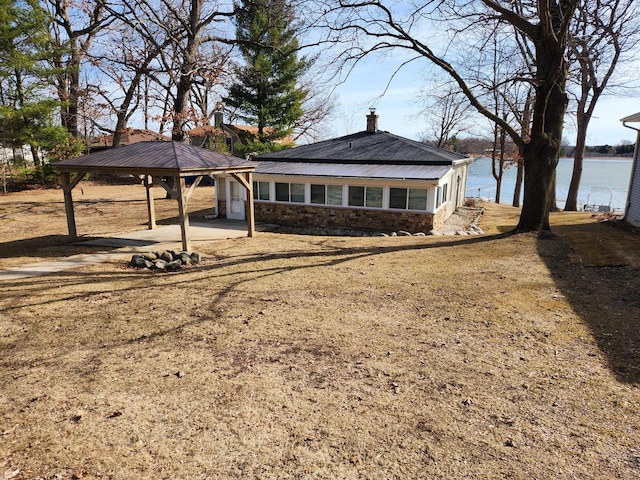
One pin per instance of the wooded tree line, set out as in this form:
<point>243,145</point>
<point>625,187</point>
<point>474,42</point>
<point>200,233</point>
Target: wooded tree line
<point>91,67</point>
<point>520,64</point>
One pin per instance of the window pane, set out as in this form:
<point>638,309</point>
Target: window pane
<point>356,196</point>
<point>334,194</point>
<point>282,192</point>
<point>417,199</point>
<point>317,194</point>
<point>374,197</point>
<point>398,198</point>
<point>297,192</point>
<point>263,188</point>
<point>255,189</point>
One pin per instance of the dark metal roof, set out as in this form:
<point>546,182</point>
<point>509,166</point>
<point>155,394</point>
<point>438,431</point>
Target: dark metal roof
<point>399,172</point>
<point>170,157</point>
<point>364,147</point>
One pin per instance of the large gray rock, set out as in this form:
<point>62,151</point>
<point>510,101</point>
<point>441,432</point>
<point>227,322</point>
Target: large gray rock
<point>167,256</point>
<point>184,257</point>
<point>139,261</point>
<point>173,266</point>
<point>160,264</point>
<point>196,257</point>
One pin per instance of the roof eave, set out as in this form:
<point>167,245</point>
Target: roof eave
<point>154,171</point>
<point>631,118</point>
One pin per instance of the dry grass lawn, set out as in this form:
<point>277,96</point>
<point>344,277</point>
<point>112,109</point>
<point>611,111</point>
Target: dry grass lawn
<point>291,356</point>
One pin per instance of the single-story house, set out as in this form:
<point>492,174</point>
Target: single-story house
<point>370,180</point>
<point>632,210</point>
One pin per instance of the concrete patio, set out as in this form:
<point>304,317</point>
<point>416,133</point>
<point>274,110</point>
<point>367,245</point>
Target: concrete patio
<point>125,244</point>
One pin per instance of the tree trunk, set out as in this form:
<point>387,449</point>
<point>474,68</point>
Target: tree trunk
<point>74,92</point>
<point>553,203</point>
<point>526,132</point>
<point>541,153</point>
<point>539,163</point>
<point>36,156</point>
<point>517,191</point>
<point>186,71</point>
<point>578,157</point>
<point>496,164</point>
<point>123,112</point>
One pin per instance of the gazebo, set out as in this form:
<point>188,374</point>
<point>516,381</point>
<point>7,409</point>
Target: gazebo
<point>153,161</point>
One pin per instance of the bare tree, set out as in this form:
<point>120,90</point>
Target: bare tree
<point>166,62</point>
<point>525,130</point>
<point>446,115</point>
<point>75,26</point>
<point>368,27</point>
<point>318,106</point>
<point>130,68</point>
<point>195,21</point>
<point>211,76</point>
<point>604,33</point>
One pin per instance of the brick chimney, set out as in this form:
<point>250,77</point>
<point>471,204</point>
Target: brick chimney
<point>372,121</point>
<point>217,119</point>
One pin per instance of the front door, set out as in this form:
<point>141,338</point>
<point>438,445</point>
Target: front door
<point>235,200</point>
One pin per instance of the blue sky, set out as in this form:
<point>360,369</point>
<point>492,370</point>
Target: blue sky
<point>399,107</point>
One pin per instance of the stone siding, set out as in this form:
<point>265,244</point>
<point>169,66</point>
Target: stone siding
<point>312,216</point>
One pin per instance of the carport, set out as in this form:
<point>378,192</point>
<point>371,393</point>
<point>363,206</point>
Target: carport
<point>155,161</point>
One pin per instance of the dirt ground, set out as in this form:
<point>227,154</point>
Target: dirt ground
<point>295,356</point>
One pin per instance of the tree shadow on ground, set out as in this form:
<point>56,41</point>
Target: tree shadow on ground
<point>47,246</point>
<point>605,296</point>
<point>237,271</point>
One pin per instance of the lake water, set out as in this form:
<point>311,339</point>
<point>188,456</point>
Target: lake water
<point>604,182</point>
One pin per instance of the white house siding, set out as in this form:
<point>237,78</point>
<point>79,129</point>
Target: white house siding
<point>345,215</point>
<point>632,214</point>
<point>383,218</point>
<point>386,185</point>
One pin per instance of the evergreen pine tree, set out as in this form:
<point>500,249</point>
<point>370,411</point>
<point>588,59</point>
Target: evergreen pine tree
<point>267,91</point>
<point>26,110</point>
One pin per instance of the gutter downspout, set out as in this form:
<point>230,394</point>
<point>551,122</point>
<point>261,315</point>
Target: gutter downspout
<point>633,169</point>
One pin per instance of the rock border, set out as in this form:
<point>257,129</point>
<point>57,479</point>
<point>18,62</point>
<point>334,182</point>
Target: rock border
<point>164,260</point>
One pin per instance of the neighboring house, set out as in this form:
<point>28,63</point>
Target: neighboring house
<point>232,134</point>
<point>632,210</point>
<point>129,137</point>
<point>16,155</point>
<point>368,180</point>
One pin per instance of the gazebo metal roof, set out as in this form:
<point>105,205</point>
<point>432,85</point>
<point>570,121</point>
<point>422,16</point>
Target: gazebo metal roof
<point>153,160</point>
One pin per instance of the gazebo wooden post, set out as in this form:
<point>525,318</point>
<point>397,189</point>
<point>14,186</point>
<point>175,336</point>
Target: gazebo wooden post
<point>67,186</point>
<point>246,180</point>
<point>151,210</point>
<point>184,216</point>
<point>251,225</point>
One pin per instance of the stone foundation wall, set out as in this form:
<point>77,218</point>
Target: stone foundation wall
<point>439,218</point>
<point>312,216</point>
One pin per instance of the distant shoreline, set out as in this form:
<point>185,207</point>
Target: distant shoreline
<point>591,157</point>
